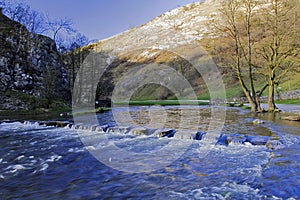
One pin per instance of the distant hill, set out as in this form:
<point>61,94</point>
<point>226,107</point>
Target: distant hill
<point>166,40</point>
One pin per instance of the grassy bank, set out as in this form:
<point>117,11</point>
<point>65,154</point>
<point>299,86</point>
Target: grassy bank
<point>46,114</point>
<point>37,114</point>
<point>87,112</point>
<point>289,101</point>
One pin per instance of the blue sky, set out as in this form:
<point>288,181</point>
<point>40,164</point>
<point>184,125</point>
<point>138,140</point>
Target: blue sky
<point>99,19</point>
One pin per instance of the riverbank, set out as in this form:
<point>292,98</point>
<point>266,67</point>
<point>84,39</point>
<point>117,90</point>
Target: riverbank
<point>38,114</point>
<point>65,114</point>
<point>286,108</point>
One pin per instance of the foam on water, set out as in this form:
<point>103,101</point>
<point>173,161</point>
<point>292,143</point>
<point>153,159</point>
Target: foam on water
<point>44,167</point>
<point>31,154</point>
<point>228,190</point>
<point>28,163</point>
<point>14,169</point>
<point>20,157</point>
<point>54,158</point>
<point>76,150</point>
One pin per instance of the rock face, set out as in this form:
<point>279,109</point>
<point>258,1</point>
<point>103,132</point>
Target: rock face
<point>31,71</point>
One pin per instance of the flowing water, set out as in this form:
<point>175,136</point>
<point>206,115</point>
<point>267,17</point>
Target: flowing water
<point>39,162</point>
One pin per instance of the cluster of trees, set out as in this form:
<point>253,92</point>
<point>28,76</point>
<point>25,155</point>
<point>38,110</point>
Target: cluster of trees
<point>60,29</point>
<point>261,44</point>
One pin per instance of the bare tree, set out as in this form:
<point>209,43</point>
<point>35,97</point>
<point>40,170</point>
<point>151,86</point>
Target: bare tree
<point>59,25</point>
<point>236,23</point>
<point>15,10</point>
<point>18,11</point>
<point>264,42</point>
<point>35,22</point>
<point>280,45</point>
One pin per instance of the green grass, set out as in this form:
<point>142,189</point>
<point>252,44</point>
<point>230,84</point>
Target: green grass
<point>235,91</point>
<point>36,114</point>
<point>204,96</point>
<point>289,101</point>
<point>231,92</point>
<point>290,82</point>
<point>246,107</point>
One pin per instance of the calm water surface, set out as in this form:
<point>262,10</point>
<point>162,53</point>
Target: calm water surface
<point>39,162</point>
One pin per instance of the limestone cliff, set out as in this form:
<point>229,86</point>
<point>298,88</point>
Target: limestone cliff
<point>31,71</point>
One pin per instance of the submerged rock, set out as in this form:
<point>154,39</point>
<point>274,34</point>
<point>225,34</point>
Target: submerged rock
<point>291,118</point>
<point>274,144</point>
<point>77,126</point>
<point>258,121</point>
<point>99,129</point>
<point>70,125</point>
<point>117,129</point>
<point>226,139</point>
<point>56,124</point>
<point>141,131</point>
<point>184,135</point>
<point>105,127</point>
<point>237,138</point>
<point>93,127</point>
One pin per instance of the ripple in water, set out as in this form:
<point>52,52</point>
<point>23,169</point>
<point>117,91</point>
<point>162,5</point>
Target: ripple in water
<point>52,163</point>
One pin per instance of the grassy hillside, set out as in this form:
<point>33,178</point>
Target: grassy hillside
<point>157,41</point>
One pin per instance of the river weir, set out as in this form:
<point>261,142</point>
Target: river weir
<point>40,160</point>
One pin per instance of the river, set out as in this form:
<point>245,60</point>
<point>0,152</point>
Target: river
<point>39,162</point>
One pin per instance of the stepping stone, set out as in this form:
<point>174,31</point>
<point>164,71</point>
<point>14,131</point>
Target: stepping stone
<point>165,133</point>
<point>199,135</point>
<point>258,140</point>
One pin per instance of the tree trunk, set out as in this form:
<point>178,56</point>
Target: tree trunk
<point>271,102</point>
<point>257,100</point>
<point>248,95</point>
<point>258,95</point>
<point>252,104</point>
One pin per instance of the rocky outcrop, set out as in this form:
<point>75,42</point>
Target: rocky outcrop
<point>31,71</point>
